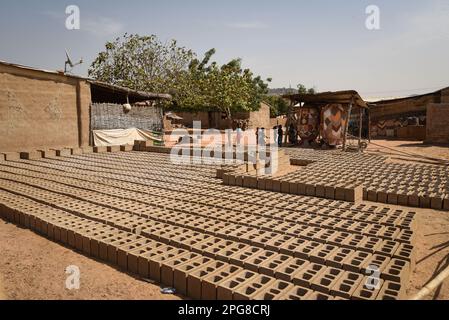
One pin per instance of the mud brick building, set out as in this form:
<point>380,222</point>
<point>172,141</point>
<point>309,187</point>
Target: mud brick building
<point>412,118</point>
<point>218,120</point>
<point>40,108</point>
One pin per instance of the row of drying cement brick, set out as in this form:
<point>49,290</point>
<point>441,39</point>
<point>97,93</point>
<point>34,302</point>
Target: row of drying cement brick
<point>222,251</point>
<point>345,226</point>
<point>388,183</point>
<point>220,227</point>
<point>226,205</point>
<point>197,276</point>
<point>411,199</point>
<point>375,170</point>
<point>304,248</point>
<point>311,219</point>
<point>341,192</point>
<point>63,152</point>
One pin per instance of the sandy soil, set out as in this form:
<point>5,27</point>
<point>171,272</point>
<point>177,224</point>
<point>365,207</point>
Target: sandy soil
<point>432,252</point>
<point>411,147</point>
<point>32,267</point>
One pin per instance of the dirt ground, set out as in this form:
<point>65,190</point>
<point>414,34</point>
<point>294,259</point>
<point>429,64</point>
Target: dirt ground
<point>400,149</point>
<point>33,268</point>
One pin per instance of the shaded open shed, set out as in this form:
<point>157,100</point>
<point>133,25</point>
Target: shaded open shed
<point>326,115</point>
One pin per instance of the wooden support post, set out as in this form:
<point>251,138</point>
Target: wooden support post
<point>360,128</point>
<point>369,125</point>
<point>345,138</point>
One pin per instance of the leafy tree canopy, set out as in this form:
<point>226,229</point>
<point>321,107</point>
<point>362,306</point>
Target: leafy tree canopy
<point>145,63</point>
<point>302,89</point>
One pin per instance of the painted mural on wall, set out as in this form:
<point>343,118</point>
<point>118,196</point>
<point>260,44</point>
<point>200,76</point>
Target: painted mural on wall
<point>334,118</point>
<point>309,122</point>
<point>389,128</point>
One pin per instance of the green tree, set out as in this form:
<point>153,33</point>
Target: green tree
<point>227,88</point>
<point>278,105</point>
<point>302,89</point>
<point>144,63</point>
<point>141,63</point>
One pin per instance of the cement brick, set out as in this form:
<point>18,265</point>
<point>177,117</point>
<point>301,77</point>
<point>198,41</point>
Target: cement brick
<point>195,277</point>
<point>225,290</point>
<point>249,289</point>
<point>325,281</point>
<point>87,149</point>
<point>118,242</point>
<point>356,261</point>
<point>47,153</point>
<point>156,262</point>
<point>413,200</point>
<point>322,253</point>
<point>310,190</point>
<point>304,277</point>
<point>391,291</point>
<point>446,203</point>
<point>436,202</point>
<point>11,156</point>
<point>181,272</point>
<point>129,262</point>
<point>145,254</point>
<point>329,192</point>
<point>30,155</point>
<point>275,291</point>
<point>405,252</point>
<point>367,290</point>
<point>337,258</point>
<point>340,192</point>
<point>397,271</point>
<point>100,150</point>
<point>168,267</point>
<point>211,282</point>
<point>346,285</point>
<point>76,151</point>
<point>126,148</point>
<point>113,148</point>
<point>354,194</point>
<point>269,267</point>
<point>298,293</point>
<point>319,296</point>
<point>63,152</point>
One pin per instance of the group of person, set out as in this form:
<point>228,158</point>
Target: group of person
<point>279,135</point>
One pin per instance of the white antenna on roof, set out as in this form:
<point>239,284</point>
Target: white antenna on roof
<point>69,62</point>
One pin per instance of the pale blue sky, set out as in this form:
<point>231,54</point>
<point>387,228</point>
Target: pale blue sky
<point>319,43</point>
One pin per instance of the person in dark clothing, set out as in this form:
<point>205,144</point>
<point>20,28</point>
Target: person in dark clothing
<point>257,135</point>
<point>280,135</point>
<point>292,134</point>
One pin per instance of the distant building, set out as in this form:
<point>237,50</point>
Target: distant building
<point>412,118</point>
<point>218,120</point>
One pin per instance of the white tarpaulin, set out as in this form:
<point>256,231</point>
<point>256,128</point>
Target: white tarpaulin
<point>118,137</point>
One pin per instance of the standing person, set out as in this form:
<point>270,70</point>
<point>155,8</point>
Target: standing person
<point>275,133</point>
<point>262,137</point>
<point>292,134</point>
<point>239,135</point>
<point>257,136</point>
<point>280,135</point>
